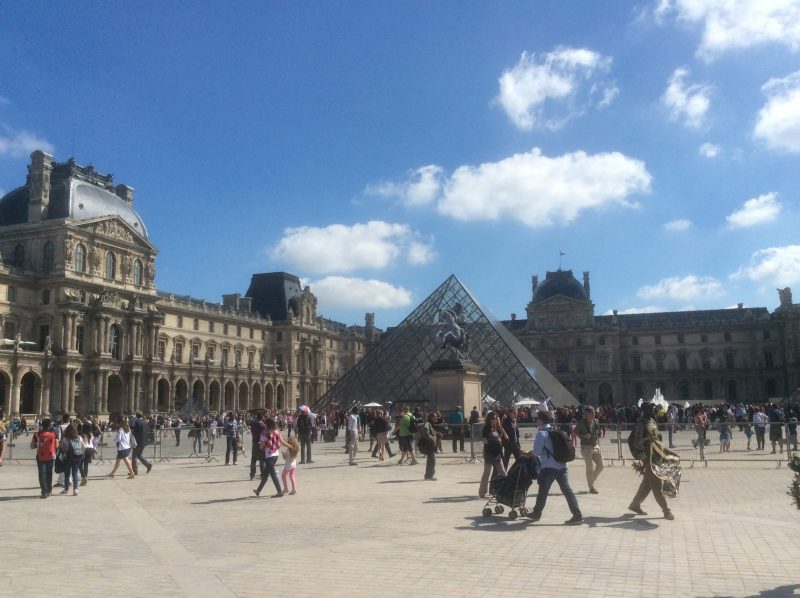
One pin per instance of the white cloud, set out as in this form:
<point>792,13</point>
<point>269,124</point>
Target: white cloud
<point>421,188</point>
<point>776,265</point>
<point>540,191</point>
<point>546,91</point>
<point>737,24</point>
<point>19,144</point>
<point>339,292</point>
<point>340,248</point>
<point>709,150</point>
<point>678,226</point>
<point>648,309</point>
<point>682,289</point>
<point>686,103</point>
<point>778,121</point>
<point>759,210</point>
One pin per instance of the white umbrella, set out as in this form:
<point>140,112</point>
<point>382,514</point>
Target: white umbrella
<point>524,402</point>
<point>373,405</point>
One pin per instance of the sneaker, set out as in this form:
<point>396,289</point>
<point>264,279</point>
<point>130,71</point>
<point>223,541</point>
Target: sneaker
<point>668,515</point>
<point>84,481</point>
<point>353,463</point>
<point>431,479</point>
<point>278,495</point>
<point>252,477</point>
<point>65,491</point>
<point>575,520</point>
<point>293,492</point>
<point>74,493</point>
<point>413,462</point>
<point>636,509</point>
<point>534,516</point>
<point>400,461</point>
<point>309,461</point>
<point>256,493</point>
<point>131,476</point>
<point>593,491</point>
<point>149,467</point>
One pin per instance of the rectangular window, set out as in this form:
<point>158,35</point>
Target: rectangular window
<point>705,360</point>
<point>580,364</point>
<point>263,335</point>
<point>212,351</point>
<point>768,363</point>
<point>767,335</point>
<point>279,359</point>
<point>179,352</point>
<point>225,329</point>
<point>635,340</point>
<point>9,329</point>
<point>162,350</point>
<point>659,363</point>
<point>708,390</point>
<point>770,387</point>
<point>562,365</point>
<point>279,336</point>
<point>682,362</point>
<point>703,338</point>
<point>729,360</point>
<point>12,295</point>
<point>195,351</point>
<point>238,331</point>
<point>727,336</point>
<point>680,338</point>
<point>579,342</point>
<point>658,339</point>
<point>602,363</point>
<point>196,324</point>
<point>602,340</point>
<point>251,333</point>
<point>238,357</point>
<point>44,332</point>
<point>180,321</point>
<point>46,297</point>
<point>637,363</point>
<point>79,334</point>
<point>251,357</point>
<point>210,326</point>
<point>225,353</point>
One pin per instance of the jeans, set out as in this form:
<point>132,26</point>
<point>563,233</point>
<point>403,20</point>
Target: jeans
<point>45,475</point>
<point>458,439</point>
<point>430,465</point>
<point>305,449</point>
<point>198,440</point>
<point>488,465</point>
<point>137,455</point>
<point>760,431</point>
<point>268,471</point>
<point>230,448</point>
<point>546,479</point>
<point>71,467</point>
<point>256,456</point>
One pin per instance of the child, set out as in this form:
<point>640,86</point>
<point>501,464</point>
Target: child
<point>290,464</point>
<point>724,435</point>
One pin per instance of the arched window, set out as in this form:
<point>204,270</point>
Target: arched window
<point>137,273</point>
<point>113,341</point>
<point>47,256</point>
<point>80,258</point>
<point>111,266</point>
<point>19,256</point>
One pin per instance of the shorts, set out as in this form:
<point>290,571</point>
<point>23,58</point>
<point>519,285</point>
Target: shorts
<point>775,433</point>
<point>123,453</point>
<point>406,445</point>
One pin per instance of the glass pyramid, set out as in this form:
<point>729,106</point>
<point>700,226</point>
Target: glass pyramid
<point>393,371</point>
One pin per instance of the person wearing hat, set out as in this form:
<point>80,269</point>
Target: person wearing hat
<point>645,435</point>
<point>587,430</point>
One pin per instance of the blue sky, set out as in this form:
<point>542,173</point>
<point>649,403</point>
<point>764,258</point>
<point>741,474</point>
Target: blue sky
<point>375,148</point>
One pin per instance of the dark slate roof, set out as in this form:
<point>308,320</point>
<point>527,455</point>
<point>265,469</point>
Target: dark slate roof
<point>560,282</point>
<point>271,293</point>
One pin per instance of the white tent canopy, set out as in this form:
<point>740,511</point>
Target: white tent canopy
<point>525,402</point>
<point>373,405</point>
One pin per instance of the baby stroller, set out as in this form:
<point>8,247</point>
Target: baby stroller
<point>512,489</point>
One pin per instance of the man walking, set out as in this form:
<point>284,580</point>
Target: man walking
<point>352,435</point>
<point>760,420</point>
<point>646,434</point>
<point>587,430</point>
<point>551,471</point>
<point>304,432</point>
<point>229,428</point>
<point>141,432</point>
<point>257,430</point>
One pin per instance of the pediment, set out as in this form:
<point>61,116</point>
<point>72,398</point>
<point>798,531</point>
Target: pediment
<point>115,228</point>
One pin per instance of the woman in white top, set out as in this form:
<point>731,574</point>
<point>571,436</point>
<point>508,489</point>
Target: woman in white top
<point>123,449</point>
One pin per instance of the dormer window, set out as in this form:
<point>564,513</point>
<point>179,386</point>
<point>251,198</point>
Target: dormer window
<point>111,266</point>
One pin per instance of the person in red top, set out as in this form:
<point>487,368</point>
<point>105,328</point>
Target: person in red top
<point>270,443</point>
<point>44,441</point>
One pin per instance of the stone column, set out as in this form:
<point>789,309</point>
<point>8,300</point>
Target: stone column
<point>104,392</point>
<point>151,401</point>
<point>98,336</point>
<point>236,396</point>
<point>64,336</point>
<point>136,388</point>
<point>129,401</point>
<point>71,390</point>
<point>15,388</point>
<point>73,332</point>
<point>64,390</point>
<point>106,326</point>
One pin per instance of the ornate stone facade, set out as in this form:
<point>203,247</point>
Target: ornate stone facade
<point>740,354</point>
<point>86,330</point>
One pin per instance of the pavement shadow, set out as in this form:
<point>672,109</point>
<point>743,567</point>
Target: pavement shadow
<point>452,499</point>
<point>23,497</point>
<point>779,592</point>
<point>399,481</point>
<point>223,500</point>
<point>225,481</point>
<point>498,523</point>
<point>8,489</point>
<point>626,521</point>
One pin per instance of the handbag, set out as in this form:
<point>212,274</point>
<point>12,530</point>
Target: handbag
<point>59,466</point>
<point>133,442</point>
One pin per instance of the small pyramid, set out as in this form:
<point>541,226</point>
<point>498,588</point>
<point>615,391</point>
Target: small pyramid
<point>394,370</point>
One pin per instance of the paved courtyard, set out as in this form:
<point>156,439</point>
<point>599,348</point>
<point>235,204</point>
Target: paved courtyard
<point>192,528</point>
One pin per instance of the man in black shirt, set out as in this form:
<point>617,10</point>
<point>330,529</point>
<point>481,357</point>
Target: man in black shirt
<point>141,432</point>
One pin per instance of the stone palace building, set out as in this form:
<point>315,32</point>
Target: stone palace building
<point>740,354</point>
<point>85,329</point>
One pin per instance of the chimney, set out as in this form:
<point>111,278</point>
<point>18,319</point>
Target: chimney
<point>740,305</point>
<point>39,175</point>
<point>586,285</point>
<point>245,304</point>
<point>231,301</point>
<point>124,192</point>
<point>513,317</point>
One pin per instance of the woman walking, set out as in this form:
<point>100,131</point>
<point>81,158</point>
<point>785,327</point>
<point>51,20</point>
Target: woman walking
<point>493,436</point>
<point>271,445</point>
<point>123,450</point>
<point>73,446</point>
<point>44,441</point>
<point>88,453</point>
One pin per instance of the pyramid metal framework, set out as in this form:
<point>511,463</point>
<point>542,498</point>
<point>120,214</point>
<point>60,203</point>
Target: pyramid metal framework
<point>393,371</point>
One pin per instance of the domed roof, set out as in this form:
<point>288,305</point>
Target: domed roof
<point>75,192</point>
<point>560,282</point>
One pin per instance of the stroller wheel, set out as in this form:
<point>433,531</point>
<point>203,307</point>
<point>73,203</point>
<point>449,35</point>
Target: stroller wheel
<point>498,509</point>
<point>512,515</point>
<point>487,512</point>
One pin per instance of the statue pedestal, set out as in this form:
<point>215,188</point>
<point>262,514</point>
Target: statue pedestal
<point>455,384</point>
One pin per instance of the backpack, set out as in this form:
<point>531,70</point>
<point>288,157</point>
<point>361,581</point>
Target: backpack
<point>75,449</point>
<point>563,450</point>
<point>413,427</point>
<point>636,454</point>
<point>426,443</point>
<point>44,452</point>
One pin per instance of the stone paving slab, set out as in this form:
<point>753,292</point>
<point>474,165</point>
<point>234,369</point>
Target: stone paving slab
<point>192,528</point>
